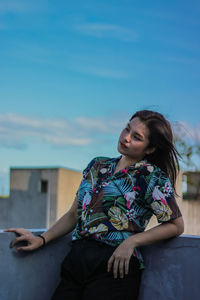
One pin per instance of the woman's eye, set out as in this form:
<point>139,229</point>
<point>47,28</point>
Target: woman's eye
<point>136,137</point>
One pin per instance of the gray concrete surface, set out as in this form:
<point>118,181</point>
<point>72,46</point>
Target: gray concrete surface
<point>32,204</point>
<point>172,270</point>
<point>33,275</point>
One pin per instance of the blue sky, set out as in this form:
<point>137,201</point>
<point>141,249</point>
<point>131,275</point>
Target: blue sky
<point>73,72</point>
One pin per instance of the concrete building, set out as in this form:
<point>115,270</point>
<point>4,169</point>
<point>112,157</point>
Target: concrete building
<point>192,185</point>
<point>38,196</point>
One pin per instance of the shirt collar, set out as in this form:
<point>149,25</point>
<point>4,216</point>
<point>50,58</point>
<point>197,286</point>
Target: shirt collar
<point>112,162</point>
<point>138,164</point>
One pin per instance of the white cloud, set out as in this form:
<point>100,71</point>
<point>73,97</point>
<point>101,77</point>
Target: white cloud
<point>104,125</point>
<point>101,30</point>
<point>185,130</point>
<point>17,130</point>
<point>21,120</point>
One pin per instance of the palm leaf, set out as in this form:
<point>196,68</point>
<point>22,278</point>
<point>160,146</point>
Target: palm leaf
<point>96,219</point>
<point>118,187</point>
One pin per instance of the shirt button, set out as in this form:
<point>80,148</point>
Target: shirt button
<point>103,170</point>
<point>91,210</point>
<point>97,192</point>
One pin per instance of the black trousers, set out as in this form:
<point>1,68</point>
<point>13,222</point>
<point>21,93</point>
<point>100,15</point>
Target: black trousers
<point>84,275</point>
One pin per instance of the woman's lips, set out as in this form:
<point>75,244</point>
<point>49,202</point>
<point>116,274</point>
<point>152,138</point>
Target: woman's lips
<point>123,145</point>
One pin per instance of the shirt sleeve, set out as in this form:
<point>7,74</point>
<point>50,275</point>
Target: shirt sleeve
<point>89,167</point>
<point>162,199</point>
<point>86,182</point>
<point>90,173</point>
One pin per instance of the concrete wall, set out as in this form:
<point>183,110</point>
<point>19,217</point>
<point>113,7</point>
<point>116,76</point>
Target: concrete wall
<point>172,270</point>
<point>4,203</point>
<point>33,275</point>
<point>190,208</point>
<point>191,214</point>
<point>51,176</point>
<point>193,185</point>
<point>28,207</point>
<point>68,183</point>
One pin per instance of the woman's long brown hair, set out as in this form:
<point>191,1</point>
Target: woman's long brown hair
<point>160,137</point>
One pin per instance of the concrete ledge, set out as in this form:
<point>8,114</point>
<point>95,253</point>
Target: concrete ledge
<point>172,270</point>
<point>30,275</point>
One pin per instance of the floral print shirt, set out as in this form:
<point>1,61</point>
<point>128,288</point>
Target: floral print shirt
<point>112,207</point>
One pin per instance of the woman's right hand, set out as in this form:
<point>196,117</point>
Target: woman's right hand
<point>24,235</point>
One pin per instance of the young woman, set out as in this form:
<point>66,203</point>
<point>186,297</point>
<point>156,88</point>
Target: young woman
<point>114,203</point>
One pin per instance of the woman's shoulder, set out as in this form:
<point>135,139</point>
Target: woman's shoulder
<point>101,159</point>
<point>98,160</point>
<point>150,170</point>
<point>151,177</point>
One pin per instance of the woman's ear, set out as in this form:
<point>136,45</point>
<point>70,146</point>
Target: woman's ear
<point>150,150</point>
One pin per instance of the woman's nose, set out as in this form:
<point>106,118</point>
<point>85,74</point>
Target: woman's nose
<point>127,138</point>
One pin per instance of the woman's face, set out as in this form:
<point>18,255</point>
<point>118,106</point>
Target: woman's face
<point>133,140</point>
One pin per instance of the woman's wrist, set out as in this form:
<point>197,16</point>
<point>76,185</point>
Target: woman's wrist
<point>132,241</point>
<point>43,239</point>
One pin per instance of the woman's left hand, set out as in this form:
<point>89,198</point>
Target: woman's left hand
<point>120,258</point>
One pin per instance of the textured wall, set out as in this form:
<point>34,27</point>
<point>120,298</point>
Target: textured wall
<point>68,183</point>
<point>28,207</point>
<point>33,275</point>
<point>172,270</point>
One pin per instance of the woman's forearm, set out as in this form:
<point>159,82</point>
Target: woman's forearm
<point>158,233</point>
<point>63,226</point>
<point>122,254</point>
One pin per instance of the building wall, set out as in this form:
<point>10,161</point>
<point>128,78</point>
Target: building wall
<point>190,210</point>
<point>27,205</point>
<point>51,176</point>
<point>193,185</point>
<point>68,183</point>
<point>191,214</point>
<point>4,212</point>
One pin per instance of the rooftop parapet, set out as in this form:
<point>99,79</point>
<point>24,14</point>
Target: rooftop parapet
<point>172,269</point>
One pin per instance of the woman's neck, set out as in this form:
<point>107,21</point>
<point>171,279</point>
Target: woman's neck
<point>125,162</point>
